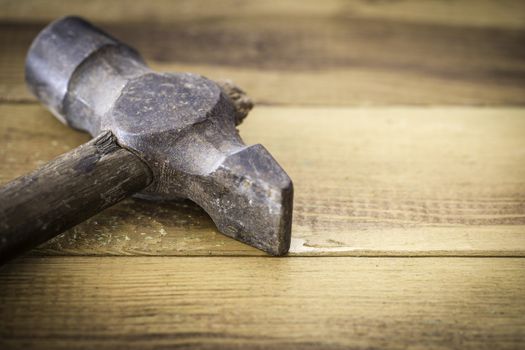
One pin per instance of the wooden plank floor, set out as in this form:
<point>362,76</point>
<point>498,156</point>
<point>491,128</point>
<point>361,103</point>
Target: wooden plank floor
<point>402,125</point>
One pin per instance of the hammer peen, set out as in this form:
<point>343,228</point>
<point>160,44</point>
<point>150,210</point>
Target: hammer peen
<point>158,136</point>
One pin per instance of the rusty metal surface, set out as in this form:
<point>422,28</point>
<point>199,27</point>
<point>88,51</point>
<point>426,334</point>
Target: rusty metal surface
<point>182,125</point>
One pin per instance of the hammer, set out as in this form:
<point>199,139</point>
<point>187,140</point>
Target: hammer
<point>157,136</point>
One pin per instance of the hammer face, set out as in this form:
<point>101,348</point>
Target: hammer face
<point>251,200</point>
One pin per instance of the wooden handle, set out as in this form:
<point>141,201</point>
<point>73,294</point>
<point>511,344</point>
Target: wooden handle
<point>66,191</point>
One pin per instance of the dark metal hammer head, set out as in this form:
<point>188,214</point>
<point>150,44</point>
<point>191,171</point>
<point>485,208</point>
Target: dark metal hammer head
<point>182,125</point>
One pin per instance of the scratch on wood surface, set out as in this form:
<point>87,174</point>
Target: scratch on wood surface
<point>298,246</point>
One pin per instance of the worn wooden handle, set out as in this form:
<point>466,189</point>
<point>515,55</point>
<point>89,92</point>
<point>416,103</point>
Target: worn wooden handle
<point>66,191</point>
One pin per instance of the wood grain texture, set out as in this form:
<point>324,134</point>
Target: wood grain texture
<point>369,182</point>
<point>374,181</point>
<point>65,191</point>
<point>487,13</point>
<point>329,53</point>
<point>260,303</point>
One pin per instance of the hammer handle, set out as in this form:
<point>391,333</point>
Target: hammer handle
<point>66,191</point>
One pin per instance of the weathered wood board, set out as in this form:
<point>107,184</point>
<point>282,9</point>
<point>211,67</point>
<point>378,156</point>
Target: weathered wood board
<point>314,53</point>
<point>469,13</point>
<point>368,181</point>
<point>255,303</point>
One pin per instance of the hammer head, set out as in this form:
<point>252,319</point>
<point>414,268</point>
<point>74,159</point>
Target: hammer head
<point>182,125</point>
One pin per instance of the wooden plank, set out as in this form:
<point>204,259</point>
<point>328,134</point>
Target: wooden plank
<point>254,303</point>
<point>502,13</point>
<point>319,59</point>
<point>372,182</point>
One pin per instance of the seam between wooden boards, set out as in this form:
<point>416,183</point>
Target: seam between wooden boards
<point>43,256</point>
